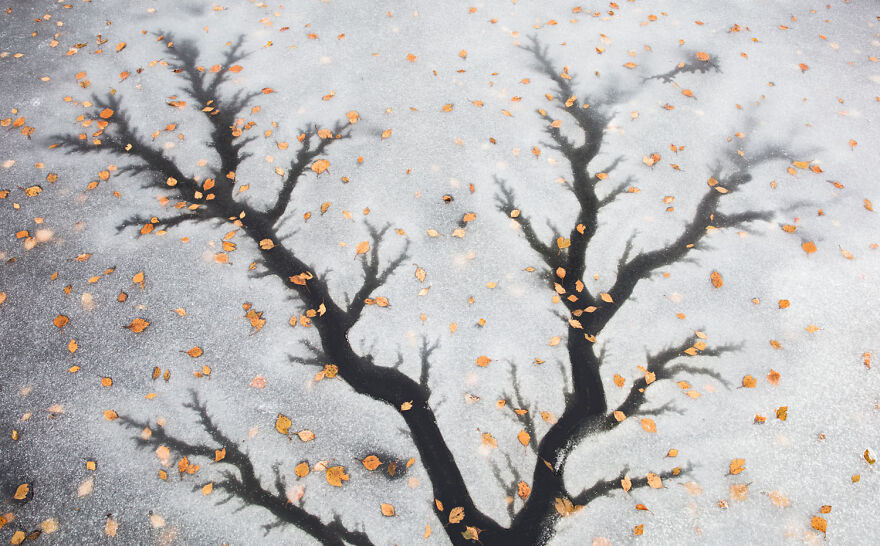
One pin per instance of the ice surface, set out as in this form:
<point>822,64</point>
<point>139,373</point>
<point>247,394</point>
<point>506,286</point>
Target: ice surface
<point>801,76</point>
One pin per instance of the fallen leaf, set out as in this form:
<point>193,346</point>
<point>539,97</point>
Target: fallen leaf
<point>456,514</point>
<point>336,475</point>
<point>283,424</point>
<point>737,466</point>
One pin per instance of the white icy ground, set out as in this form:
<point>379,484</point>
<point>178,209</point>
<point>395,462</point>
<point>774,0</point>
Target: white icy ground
<point>831,396</point>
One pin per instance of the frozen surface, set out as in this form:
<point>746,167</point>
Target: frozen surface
<point>461,111</point>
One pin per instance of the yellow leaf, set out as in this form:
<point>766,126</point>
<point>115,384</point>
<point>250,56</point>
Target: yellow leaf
<point>562,242</point>
<point>207,488</point>
<point>386,133</point>
<point>302,469</point>
<point>406,406</point>
<point>387,510</point>
<point>110,415</point>
<point>283,424</point>
<point>336,475</point>
<point>654,481</point>
<point>363,247</point>
<point>306,435</point>
<point>120,46</point>
<point>649,425</point>
<point>606,297</point>
<point>267,244</point>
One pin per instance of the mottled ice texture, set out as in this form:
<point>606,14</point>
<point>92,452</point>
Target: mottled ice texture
<point>830,394</point>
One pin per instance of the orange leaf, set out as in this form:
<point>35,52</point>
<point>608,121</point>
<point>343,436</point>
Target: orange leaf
<point>456,514</point>
<point>336,475</point>
<point>195,352</point>
<point>387,510</point>
<point>371,462</point>
<point>302,469</point>
<point>523,437</point>
<point>649,425</point>
<point>363,247</point>
<point>717,281</point>
<point>809,247</point>
<point>483,361</point>
<point>283,423</point>
<point>137,325</point>
<point>737,466</point>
